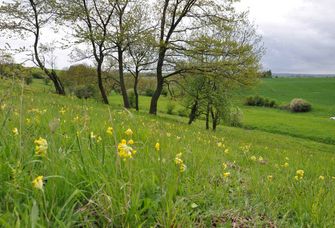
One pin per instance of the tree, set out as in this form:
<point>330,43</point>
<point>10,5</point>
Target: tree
<point>172,14</point>
<point>91,21</point>
<point>140,54</point>
<point>225,56</point>
<point>30,17</point>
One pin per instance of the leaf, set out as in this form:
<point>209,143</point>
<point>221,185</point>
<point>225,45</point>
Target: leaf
<point>34,214</point>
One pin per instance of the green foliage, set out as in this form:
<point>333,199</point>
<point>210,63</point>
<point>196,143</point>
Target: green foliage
<point>78,75</point>
<point>38,75</point>
<point>28,80</point>
<point>170,106</point>
<point>260,101</point>
<point>85,91</point>
<point>149,92</point>
<point>149,190</point>
<point>131,97</point>
<point>300,105</point>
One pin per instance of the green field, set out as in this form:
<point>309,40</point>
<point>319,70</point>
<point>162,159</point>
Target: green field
<point>90,185</point>
<point>315,125</point>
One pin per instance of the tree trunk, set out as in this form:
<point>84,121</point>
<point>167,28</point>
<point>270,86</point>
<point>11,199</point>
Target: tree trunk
<point>100,83</point>
<point>193,114</point>
<point>136,92</point>
<point>160,83</point>
<point>126,103</point>
<point>207,117</point>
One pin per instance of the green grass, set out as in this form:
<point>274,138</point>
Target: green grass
<point>89,185</point>
<point>315,125</point>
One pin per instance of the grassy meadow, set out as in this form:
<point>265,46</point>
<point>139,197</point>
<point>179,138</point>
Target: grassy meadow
<point>315,125</point>
<point>62,164</point>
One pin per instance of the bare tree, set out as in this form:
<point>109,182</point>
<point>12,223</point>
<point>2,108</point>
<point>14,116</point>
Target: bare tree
<point>30,17</point>
<point>91,21</point>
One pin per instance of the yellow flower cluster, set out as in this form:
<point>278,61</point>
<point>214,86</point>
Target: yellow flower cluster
<point>110,130</point>
<point>157,147</point>
<point>38,182</point>
<point>299,174</point>
<point>15,131</point>
<point>41,147</point>
<point>125,151</point>
<point>129,132</point>
<point>180,163</point>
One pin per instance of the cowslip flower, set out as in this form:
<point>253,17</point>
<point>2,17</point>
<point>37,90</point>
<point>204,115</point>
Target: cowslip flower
<point>321,177</point>
<point>253,158</point>
<point>285,165</point>
<point>131,142</point>
<point>299,174</point>
<point>41,147</point>
<point>15,131</point>
<point>226,174</point>
<point>129,132</point>
<point>224,166</point>
<point>180,163</point>
<point>270,177</point>
<point>157,146</point>
<point>38,182</point>
<point>110,130</point>
<point>125,151</point>
<point>62,111</point>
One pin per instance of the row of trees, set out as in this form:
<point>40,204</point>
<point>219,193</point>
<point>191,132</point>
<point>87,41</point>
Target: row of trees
<point>204,46</point>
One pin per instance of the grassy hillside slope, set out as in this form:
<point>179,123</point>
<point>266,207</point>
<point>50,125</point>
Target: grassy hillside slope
<point>233,177</point>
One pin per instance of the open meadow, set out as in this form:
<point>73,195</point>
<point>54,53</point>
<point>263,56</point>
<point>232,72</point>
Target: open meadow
<point>67,162</point>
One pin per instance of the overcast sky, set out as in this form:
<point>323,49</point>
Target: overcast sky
<point>299,35</point>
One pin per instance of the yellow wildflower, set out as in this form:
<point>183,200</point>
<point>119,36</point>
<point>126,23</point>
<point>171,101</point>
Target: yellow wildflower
<point>226,151</point>
<point>270,177</point>
<point>299,174</point>
<point>180,163</point>
<point>41,146</point>
<point>157,146</point>
<point>125,151</point>
<point>224,166</point>
<point>15,131</point>
<point>219,144</point>
<point>131,142</point>
<point>226,175</point>
<point>285,165</point>
<point>129,132</point>
<point>38,182</point>
<point>99,139</point>
<point>253,158</point>
<point>92,135</point>
<point>109,130</point>
<point>260,159</point>
<point>321,177</point>
<point>62,111</point>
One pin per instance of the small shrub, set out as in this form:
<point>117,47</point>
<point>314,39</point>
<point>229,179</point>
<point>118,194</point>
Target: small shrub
<point>132,98</point>
<point>47,81</point>
<point>149,92</point>
<point>260,101</point>
<point>85,92</point>
<point>300,105</point>
<point>28,80</point>
<point>235,117</point>
<point>170,107</point>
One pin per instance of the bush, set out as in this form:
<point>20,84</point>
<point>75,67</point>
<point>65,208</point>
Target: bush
<point>149,92</point>
<point>235,117</point>
<point>260,101</point>
<point>183,112</point>
<point>132,98</point>
<point>170,107</point>
<point>300,105</point>
<point>28,80</point>
<point>87,91</point>
<point>37,75</point>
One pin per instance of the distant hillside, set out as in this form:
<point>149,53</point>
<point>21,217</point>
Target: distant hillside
<point>290,75</point>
